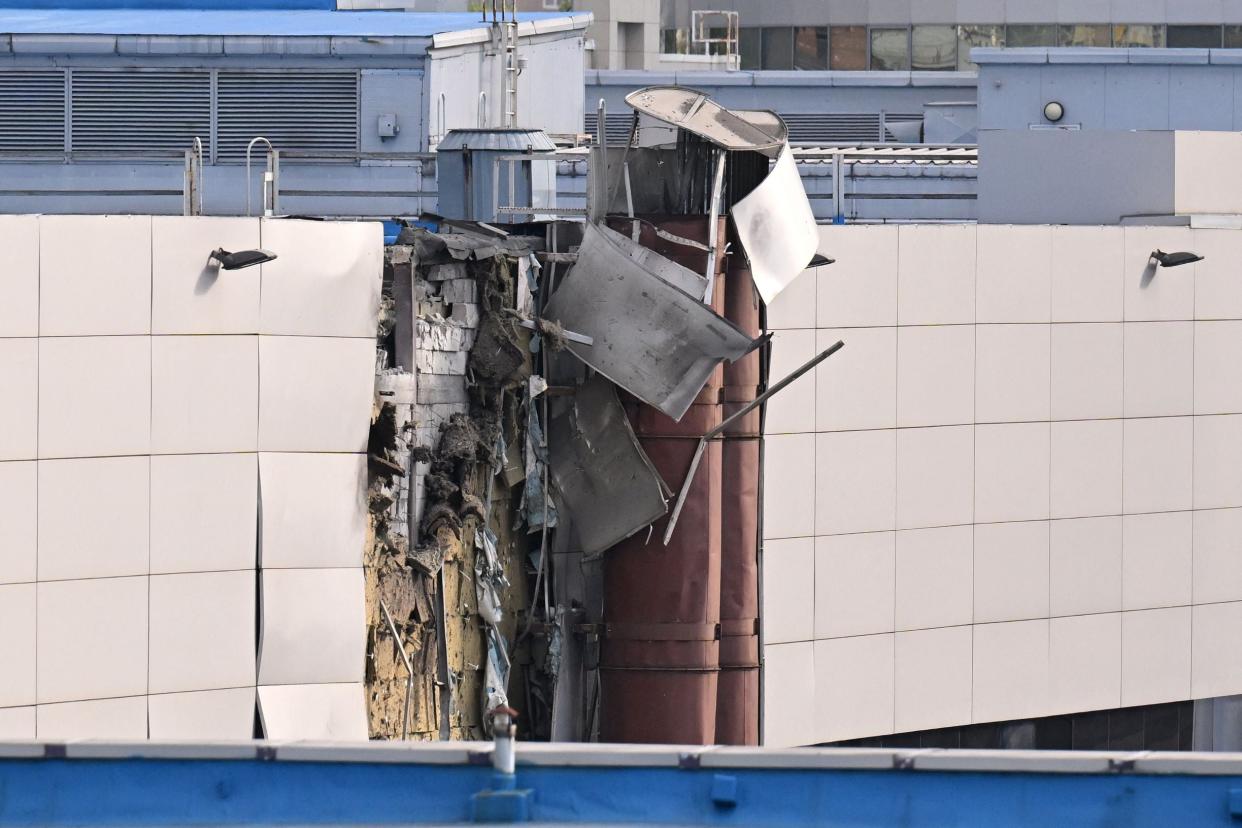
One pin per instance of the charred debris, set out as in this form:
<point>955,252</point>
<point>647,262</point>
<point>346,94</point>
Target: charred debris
<point>565,458</point>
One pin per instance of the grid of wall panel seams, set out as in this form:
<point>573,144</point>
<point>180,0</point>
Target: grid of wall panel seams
<point>182,477</point>
<point>1016,492</point>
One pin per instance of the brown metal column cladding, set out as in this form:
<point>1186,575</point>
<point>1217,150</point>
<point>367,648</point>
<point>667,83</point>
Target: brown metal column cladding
<point>737,706</point>
<point>660,657</point>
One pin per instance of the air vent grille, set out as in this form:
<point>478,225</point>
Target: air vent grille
<point>158,112</point>
<point>32,110</point>
<point>303,111</point>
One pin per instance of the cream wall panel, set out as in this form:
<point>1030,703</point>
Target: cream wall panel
<point>325,280</point>
<point>313,628</point>
<point>1217,550</point>
<point>935,375</point>
<point>789,683</point>
<point>935,476</point>
<point>17,645</point>
<point>1155,656</point>
<point>1151,292</point>
<point>1086,468</point>
<point>1156,570</point>
<point>1011,472</point>
<point>1012,370</point>
<point>853,687</point>
<point>1010,670</point>
<point>855,584</point>
<point>190,295</point>
<point>92,639</point>
<point>116,719</point>
<point>313,510</point>
<point>204,394</point>
<point>854,477</point>
<point>795,306</point>
<point>1085,565</point>
<point>17,723</point>
<point>1218,291</point>
<point>1087,284</point>
<point>202,631</point>
<point>1084,656</point>
<point>1158,455</point>
<point>94,519</point>
<point>856,388</point>
<point>935,275</point>
<point>1087,378</point>
<point>107,295</point>
<point>1159,369</point>
<point>789,590</point>
<point>19,279</point>
<point>1218,461</point>
<point>1216,668</point>
<point>789,486</point>
<point>209,715</point>
<point>932,683</point>
<point>860,289</point>
<point>793,410</point>
<point>1218,367</point>
<point>326,712</point>
<point>19,522</point>
<point>19,404</point>
<point>934,573</point>
<point>204,512</point>
<point>1014,281</point>
<point>1011,571</point>
<point>114,374</point>
<point>315,393</point>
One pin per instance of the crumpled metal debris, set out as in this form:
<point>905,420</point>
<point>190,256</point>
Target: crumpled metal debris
<point>489,583</point>
<point>536,504</point>
<point>610,486</point>
<point>777,227</point>
<point>654,340</point>
<point>695,112</point>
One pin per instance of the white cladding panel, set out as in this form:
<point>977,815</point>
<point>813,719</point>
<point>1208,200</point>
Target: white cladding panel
<point>1016,492</point>
<point>131,500</point>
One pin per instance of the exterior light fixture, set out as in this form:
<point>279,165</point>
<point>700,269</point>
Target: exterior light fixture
<point>240,259</point>
<point>820,261</point>
<point>1054,111</point>
<point>1174,259</point>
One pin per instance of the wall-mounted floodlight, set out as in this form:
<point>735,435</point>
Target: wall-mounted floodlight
<point>1054,111</point>
<point>820,261</point>
<point>1174,259</point>
<point>240,259</point>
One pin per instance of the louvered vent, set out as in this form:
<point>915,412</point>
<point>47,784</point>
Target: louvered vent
<point>834,127</point>
<point>157,112</point>
<point>616,126</point>
<point>32,110</point>
<point>305,111</point>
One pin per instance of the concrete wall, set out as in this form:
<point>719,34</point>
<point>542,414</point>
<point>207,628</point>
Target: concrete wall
<point>1015,492</point>
<point>154,408</point>
<point>1187,89</point>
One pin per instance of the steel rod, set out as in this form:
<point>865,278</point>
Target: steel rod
<point>728,421</point>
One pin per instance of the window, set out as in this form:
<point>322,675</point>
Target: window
<point>1139,36</point>
<point>1098,35</point>
<point>1194,37</point>
<point>969,37</point>
<point>675,41</point>
<point>933,48</point>
<point>777,47</point>
<point>890,49</point>
<point>1036,35</point>
<point>750,46</point>
<point>1233,37</point>
<point>847,48</point>
<point>810,47</point>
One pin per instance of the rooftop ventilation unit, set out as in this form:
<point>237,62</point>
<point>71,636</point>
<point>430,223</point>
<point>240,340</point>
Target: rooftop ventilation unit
<point>496,175</point>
